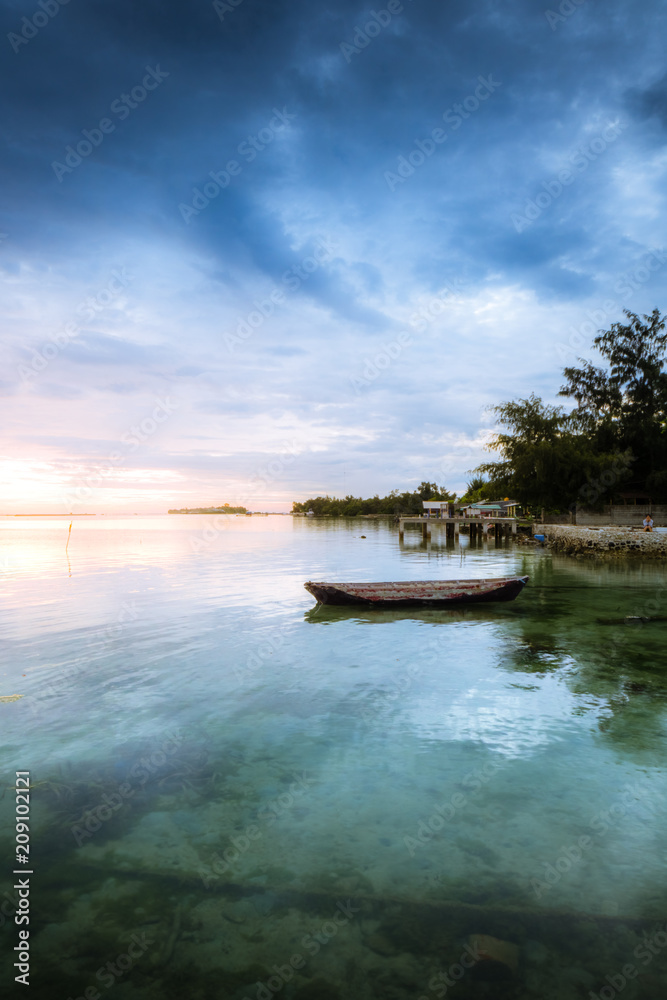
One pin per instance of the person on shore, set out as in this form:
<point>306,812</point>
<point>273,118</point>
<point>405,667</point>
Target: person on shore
<point>648,523</point>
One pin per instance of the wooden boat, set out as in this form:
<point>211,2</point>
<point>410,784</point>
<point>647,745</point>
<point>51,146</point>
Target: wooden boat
<point>432,593</point>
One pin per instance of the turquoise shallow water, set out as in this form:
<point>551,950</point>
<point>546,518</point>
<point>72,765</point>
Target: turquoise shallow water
<point>227,778</point>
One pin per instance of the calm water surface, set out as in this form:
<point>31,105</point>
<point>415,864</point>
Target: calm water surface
<point>238,795</point>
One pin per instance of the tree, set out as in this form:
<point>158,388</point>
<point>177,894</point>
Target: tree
<point>624,406</point>
<point>476,484</point>
<point>431,491</point>
<point>477,489</point>
<point>393,503</point>
<point>555,459</point>
<point>546,460</point>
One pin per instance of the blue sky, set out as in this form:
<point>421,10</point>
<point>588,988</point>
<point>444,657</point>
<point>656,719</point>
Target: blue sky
<point>256,251</point>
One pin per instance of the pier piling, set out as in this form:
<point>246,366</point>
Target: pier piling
<point>477,527</point>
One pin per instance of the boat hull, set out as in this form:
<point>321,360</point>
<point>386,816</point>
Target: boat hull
<point>427,593</point>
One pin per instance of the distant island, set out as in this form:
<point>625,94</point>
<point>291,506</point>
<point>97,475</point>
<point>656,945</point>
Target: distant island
<point>224,509</point>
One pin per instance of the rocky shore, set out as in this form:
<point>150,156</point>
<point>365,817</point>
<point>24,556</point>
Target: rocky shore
<point>609,541</point>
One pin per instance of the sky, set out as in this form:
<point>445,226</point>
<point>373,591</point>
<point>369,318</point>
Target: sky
<point>257,251</point>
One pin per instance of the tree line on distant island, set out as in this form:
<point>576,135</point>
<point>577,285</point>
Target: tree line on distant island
<point>223,509</point>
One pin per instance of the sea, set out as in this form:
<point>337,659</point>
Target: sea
<point>215,789</point>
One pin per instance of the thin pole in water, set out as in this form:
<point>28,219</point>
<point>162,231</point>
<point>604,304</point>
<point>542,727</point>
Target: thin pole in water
<point>68,536</point>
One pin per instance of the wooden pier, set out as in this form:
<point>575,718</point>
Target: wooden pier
<point>477,526</point>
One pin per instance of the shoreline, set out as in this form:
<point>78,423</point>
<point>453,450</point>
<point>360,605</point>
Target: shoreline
<point>610,541</point>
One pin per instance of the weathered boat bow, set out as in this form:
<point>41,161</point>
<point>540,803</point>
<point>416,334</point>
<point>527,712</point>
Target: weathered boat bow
<point>432,593</point>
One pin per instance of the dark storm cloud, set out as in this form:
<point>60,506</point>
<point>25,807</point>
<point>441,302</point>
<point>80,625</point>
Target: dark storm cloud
<point>353,120</point>
<point>505,156</point>
<point>652,101</point>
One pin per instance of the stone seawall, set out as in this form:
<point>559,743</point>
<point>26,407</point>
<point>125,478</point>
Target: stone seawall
<point>609,541</point>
